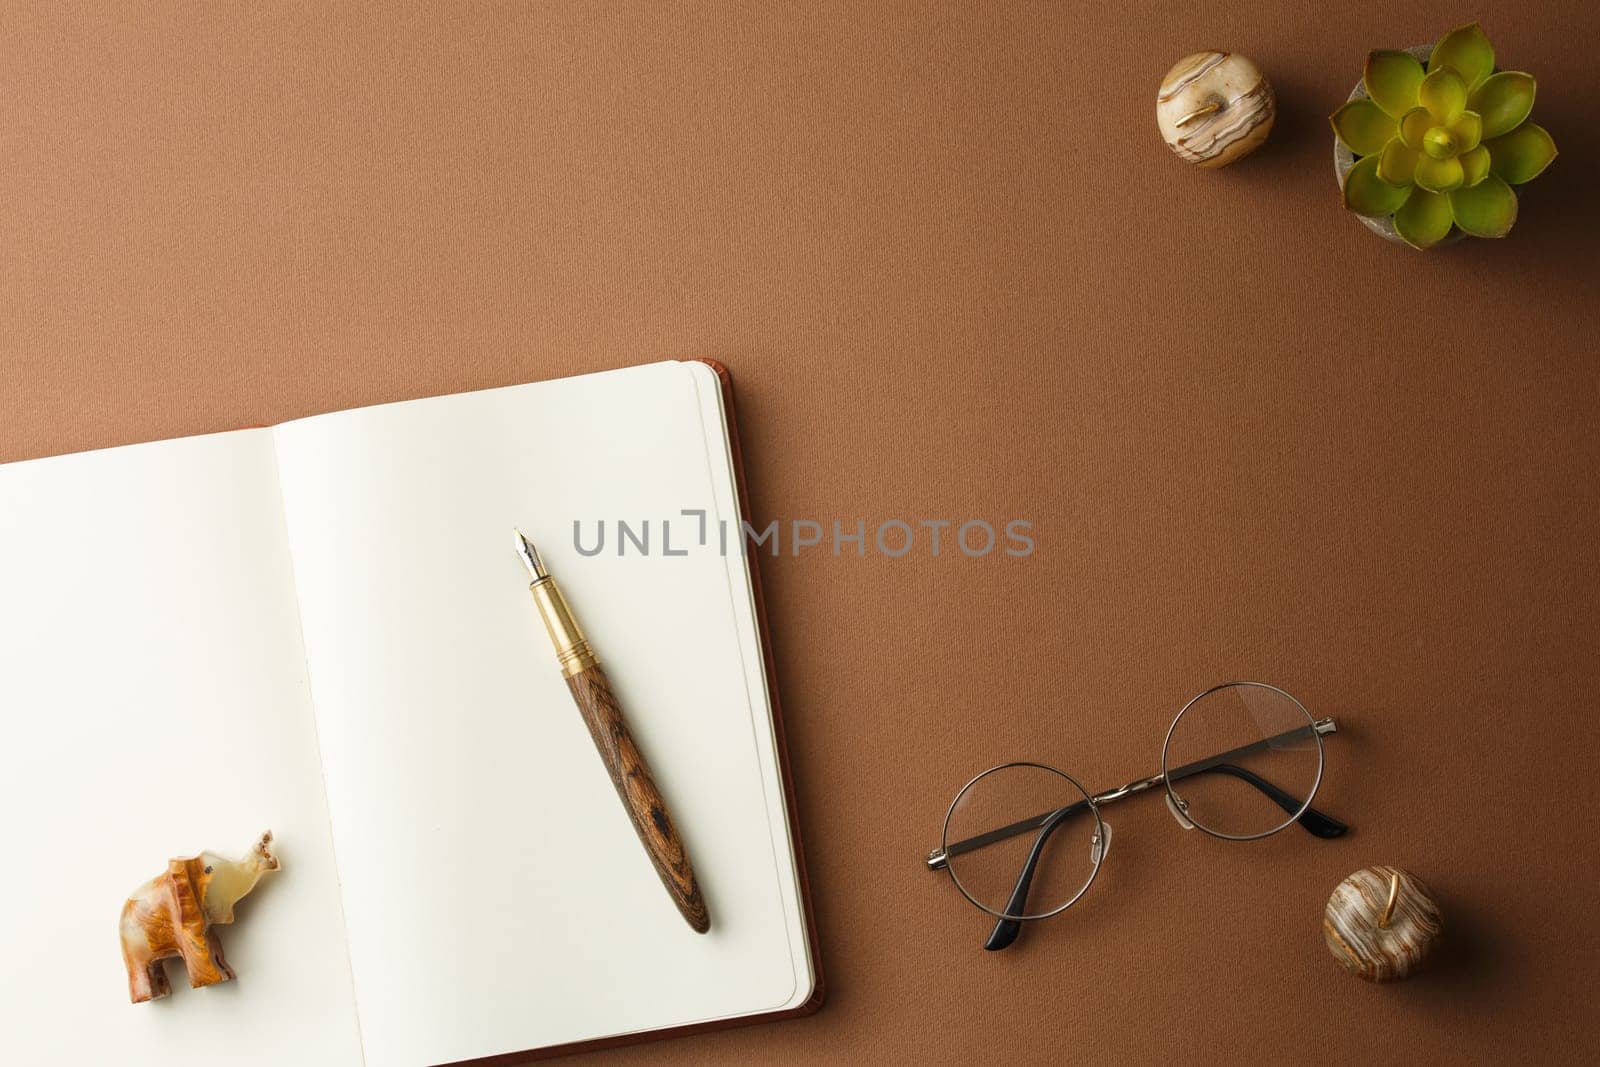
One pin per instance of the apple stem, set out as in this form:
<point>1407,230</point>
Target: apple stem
<point>1210,107</point>
<point>1388,909</point>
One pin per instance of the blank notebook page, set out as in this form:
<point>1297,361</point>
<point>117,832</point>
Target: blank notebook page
<point>495,894</point>
<point>154,697</point>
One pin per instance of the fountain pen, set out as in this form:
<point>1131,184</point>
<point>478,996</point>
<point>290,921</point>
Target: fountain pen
<point>603,715</point>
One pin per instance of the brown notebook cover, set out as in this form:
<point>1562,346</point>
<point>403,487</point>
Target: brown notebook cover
<point>815,1002</point>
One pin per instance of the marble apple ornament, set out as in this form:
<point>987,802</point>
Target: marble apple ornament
<point>173,914</point>
<point>1214,108</point>
<point>1381,923</point>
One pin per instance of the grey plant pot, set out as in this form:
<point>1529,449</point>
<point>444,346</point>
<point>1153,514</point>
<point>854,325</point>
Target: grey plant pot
<point>1344,159</point>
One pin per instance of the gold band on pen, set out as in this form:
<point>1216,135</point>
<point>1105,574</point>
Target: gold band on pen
<point>572,648</point>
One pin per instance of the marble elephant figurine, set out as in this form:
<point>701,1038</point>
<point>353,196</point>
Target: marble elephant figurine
<point>173,915</point>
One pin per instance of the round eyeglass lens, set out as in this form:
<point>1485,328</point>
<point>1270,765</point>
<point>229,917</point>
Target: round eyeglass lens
<point>1242,760</point>
<point>1023,841</point>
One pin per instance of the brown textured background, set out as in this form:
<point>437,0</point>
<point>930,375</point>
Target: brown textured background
<point>955,275</point>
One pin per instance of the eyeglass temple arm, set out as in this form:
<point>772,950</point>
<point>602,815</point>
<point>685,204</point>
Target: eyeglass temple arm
<point>940,857</point>
<point>1321,726</point>
<point>1316,823</point>
<point>1006,930</point>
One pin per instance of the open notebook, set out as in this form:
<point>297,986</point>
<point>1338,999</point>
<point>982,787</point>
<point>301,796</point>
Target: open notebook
<point>321,628</point>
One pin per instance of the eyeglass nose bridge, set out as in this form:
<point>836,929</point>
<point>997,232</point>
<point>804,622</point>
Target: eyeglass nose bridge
<point>1100,844</point>
<point>1180,811</point>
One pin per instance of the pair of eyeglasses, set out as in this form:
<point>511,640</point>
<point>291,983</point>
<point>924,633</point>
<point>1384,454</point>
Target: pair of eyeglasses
<point>1241,761</point>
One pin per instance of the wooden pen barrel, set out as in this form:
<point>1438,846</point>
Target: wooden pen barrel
<point>637,788</point>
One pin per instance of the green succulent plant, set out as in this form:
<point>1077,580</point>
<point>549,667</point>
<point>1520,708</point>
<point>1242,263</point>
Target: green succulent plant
<point>1442,147</point>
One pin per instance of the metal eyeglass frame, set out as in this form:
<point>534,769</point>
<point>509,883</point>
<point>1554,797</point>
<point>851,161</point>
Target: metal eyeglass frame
<point>1009,925</point>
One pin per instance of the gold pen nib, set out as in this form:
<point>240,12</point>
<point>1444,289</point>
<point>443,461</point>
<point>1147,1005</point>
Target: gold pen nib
<point>530,557</point>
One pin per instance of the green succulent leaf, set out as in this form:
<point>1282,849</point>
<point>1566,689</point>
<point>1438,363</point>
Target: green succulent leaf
<point>1367,194</point>
<point>1474,165</point>
<point>1504,100</point>
<point>1397,164</point>
<point>1439,175</point>
<point>1488,209</point>
<point>1523,154</point>
<point>1466,50</point>
<point>1414,126</point>
<point>1363,127</point>
<point>1468,130</point>
<point>1424,219</point>
<point>1444,93</point>
<point>1391,79</point>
